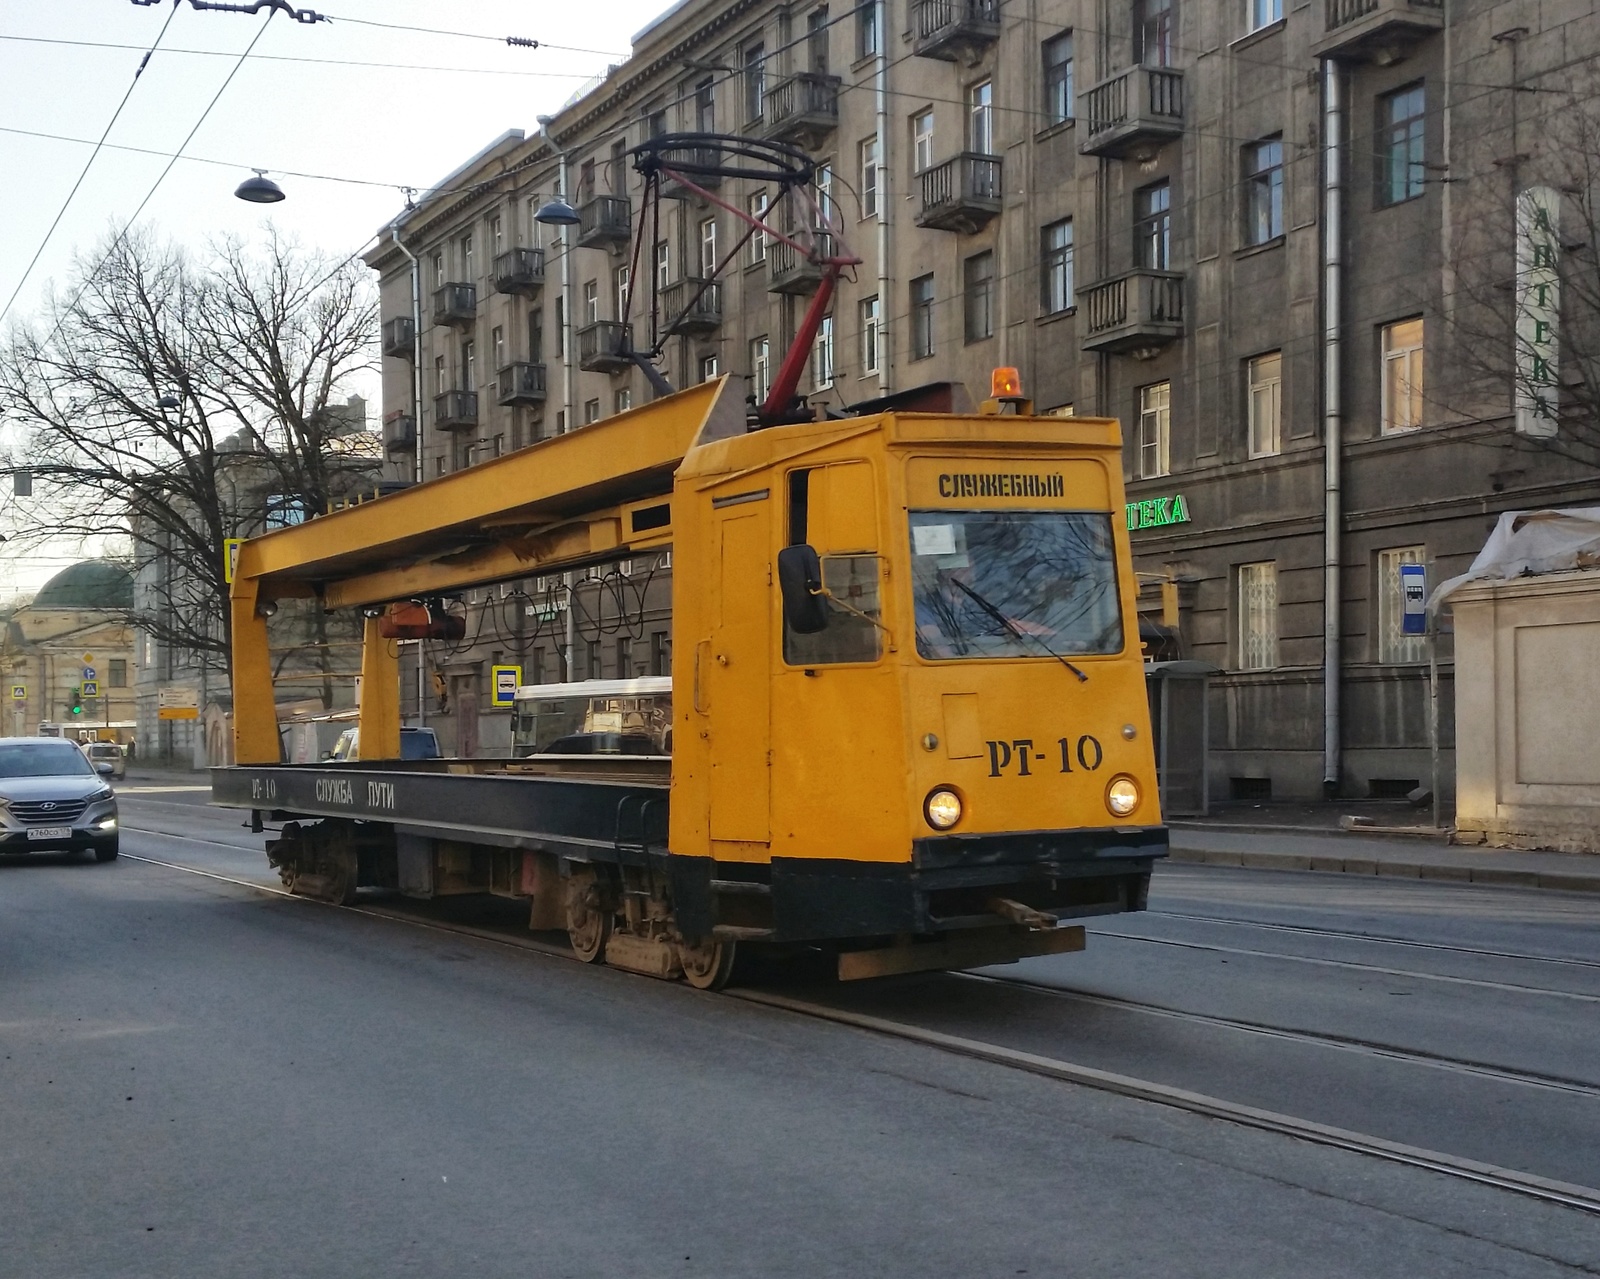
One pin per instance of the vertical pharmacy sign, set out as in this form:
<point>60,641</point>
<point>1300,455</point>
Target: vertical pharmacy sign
<point>1536,393</point>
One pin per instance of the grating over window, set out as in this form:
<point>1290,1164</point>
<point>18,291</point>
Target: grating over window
<point>1393,646</point>
<point>1258,616</point>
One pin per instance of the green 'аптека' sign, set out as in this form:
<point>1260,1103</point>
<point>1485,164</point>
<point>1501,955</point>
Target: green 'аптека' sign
<point>1154,512</point>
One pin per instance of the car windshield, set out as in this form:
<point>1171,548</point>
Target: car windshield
<point>53,759</point>
<point>1014,583</point>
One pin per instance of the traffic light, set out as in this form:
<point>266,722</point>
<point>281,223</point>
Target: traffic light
<point>77,700</point>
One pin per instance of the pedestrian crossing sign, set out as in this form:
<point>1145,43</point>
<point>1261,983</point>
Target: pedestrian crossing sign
<point>89,688</point>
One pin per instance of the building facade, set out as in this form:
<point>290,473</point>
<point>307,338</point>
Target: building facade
<point>1277,241</point>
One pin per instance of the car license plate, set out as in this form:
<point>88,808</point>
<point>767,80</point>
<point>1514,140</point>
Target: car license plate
<point>50,832</point>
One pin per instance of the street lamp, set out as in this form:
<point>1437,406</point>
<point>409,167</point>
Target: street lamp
<point>260,189</point>
<point>557,212</point>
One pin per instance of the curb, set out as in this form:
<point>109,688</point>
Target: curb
<point>1273,828</point>
<point>1559,881</point>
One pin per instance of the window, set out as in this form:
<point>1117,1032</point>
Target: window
<point>978,296</point>
<point>1152,227</point>
<point>709,368</point>
<point>655,122</point>
<point>1264,376</point>
<point>1258,616</point>
<point>1400,145</point>
<point>1155,430</point>
<point>591,669</point>
<point>705,106</point>
<point>469,366</point>
<point>1058,78</point>
<point>118,675</point>
<point>755,80</point>
<point>922,317</point>
<point>1263,191</point>
<point>980,117</point>
<point>497,234</point>
<point>438,270</point>
<point>536,336</point>
<point>621,278</point>
<point>761,368</point>
<point>467,271</point>
<point>1402,376</point>
<point>870,320</point>
<point>851,580</point>
<point>1154,28</point>
<point>756,205</point>
<point>561,328</point>
<point>1393,644</point>
<point>591,411</point>
<point>922,141</point>
<point>591,302</point>
<point>1055,268</point>
<point>822,355</point>
<point>586,182</point>
<point>867,37</point>
<point>622,401</point>
<point>868,151</point>
<point>708,248</point>
<point>660,653</point>
<point>817,40</point>
<point>662,258</point>
<point>439,385</point>
<point>1263,13</point>
<point>824,183</point>
<point>497,343</point>
<point>535,235</point>
<point>624,658</point>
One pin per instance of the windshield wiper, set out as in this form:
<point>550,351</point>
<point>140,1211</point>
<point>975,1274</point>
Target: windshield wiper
<point>1012,627</point>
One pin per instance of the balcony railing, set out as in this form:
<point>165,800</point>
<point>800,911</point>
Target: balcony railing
<point>400,435</point>
<point>1379,30</point>
<point>521,383</point>
<point>455,304</point>
<point>519,271</point>
<point>1136,313</point>
<point>796,272</point>
<point>604,346</point>
<point>1133,112</point>
<point>802,109</point>
<point>400,337</point>
<point>692,162</point>
<point>455,410</point>
<point>962,194</point>
<point>692,306</point>
<point>952,30</point>
<point>605,221</point>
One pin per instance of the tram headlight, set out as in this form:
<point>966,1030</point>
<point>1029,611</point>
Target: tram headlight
<point>942,808</point>
<point>1122,796</point>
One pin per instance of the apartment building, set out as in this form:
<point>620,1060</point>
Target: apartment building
<point>1244,228</point>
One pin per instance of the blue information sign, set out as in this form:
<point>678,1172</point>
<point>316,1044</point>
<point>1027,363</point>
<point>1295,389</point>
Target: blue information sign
<point>1413,599</point>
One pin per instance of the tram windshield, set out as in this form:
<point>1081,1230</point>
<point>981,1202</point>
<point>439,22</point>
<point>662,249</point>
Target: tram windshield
<point>990,584</point>
<point>596,717</point>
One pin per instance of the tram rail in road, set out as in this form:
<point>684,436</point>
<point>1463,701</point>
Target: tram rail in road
<point>1570,1195</point>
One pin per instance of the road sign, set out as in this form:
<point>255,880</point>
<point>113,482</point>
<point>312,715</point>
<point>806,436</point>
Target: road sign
<point>506,679</point>
<point>19,692</point>
<point>88,672</point>
<point>90,688</point>
<point>178,702</point>
<point>230,557</point>
<point>1413,599</point>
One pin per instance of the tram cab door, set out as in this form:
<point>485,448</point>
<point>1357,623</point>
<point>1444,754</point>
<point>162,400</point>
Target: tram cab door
<point>734,668</point>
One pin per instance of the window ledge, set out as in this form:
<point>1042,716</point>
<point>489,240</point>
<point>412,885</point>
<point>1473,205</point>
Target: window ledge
<point>1381,204</point>
<point>1054,317</point>
<point>860,64</point>
<point>1259,34</point>
<point>1266,246</point>
<point>1056,129</point>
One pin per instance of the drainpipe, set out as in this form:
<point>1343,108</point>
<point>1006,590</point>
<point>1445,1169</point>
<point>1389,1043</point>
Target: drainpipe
<point>880,89</point>
<point>1332,423</point>
<point>417,470</point>
<point>569,411</point>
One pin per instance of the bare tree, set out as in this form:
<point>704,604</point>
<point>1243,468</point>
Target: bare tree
<point>172,404</point>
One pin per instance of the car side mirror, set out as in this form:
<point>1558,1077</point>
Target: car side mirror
<point>805,610</point>
<point>105,770</point>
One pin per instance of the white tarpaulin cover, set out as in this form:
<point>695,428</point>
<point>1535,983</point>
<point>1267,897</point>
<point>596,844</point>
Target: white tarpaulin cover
<point>1530,542</point>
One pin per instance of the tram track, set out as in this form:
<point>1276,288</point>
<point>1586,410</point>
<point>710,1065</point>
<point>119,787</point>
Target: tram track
<point>1566,1194</point>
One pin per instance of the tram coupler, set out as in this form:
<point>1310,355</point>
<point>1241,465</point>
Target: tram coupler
<point>970,948</point>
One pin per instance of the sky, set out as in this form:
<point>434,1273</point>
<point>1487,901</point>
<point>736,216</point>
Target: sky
<point>339,134</point>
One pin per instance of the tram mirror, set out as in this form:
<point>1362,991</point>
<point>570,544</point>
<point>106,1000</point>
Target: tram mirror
<point>805,612</point>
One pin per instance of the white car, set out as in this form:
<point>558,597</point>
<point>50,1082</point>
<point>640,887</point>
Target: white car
<point>107,753</point>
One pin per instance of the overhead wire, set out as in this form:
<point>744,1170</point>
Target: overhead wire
<point>523,42</point>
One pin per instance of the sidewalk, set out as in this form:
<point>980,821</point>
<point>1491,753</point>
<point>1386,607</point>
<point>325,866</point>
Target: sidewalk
<point>1397,842</point>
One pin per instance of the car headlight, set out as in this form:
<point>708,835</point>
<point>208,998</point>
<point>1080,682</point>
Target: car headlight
<point>105,792</point>
<point>942,808</point>
<point>1122,796</point>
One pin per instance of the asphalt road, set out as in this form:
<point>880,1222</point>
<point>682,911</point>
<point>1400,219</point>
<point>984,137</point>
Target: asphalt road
<point>203,1079</point>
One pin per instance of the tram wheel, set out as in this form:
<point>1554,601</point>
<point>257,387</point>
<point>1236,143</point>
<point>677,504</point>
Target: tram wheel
<point>707,965</point>
<point>588,922</point>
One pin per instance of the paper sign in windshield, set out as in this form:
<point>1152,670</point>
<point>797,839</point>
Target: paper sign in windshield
<point>934,539</point>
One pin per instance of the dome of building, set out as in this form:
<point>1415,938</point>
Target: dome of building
<point>96,585</point>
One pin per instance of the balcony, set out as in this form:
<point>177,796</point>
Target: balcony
<point>953,30</point>
<point>400,435</point>
<point>1134,112</point>
<point>605,346</point>
<point>692,162</point>
<point>400,337</point>
<point>692,306</point>
<point>605,222</point>
<point>1381,31</point>
<point>519,271</point>
<point>1135,314</point>
<point>455,305</point>
<point>456,410</point>
<point>802,109</point>
<point>521,383</point>
<point>962,194</point>
<point>796,272</point>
